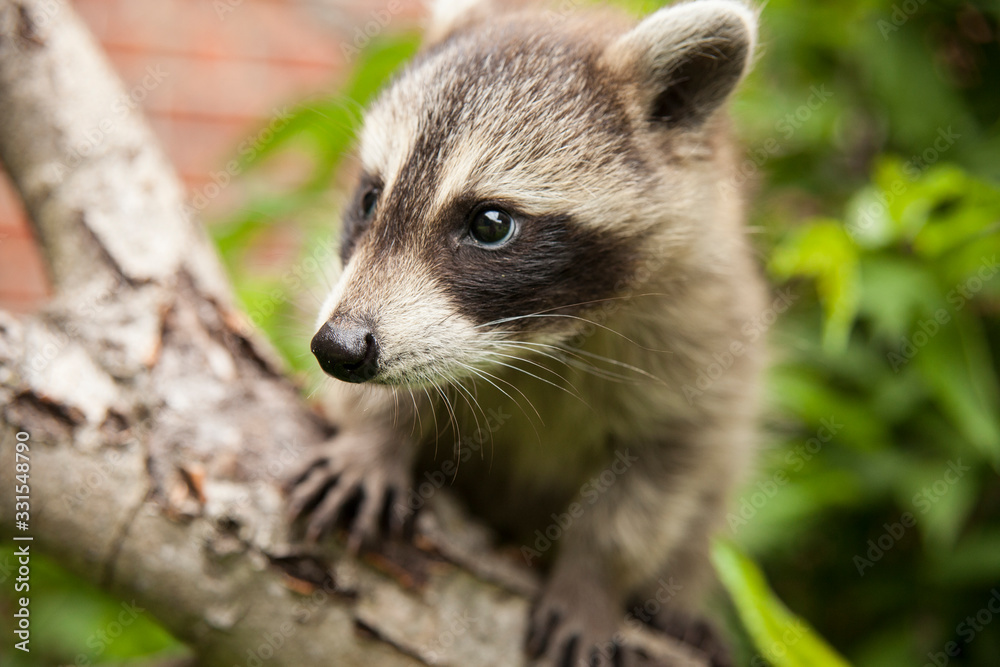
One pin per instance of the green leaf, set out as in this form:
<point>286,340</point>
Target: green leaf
<point>958,209</point>
<point>780,636</point>
<point>954,359</point>
<point>947,513</point>
<point>973,560</point>
<point>896,290</point>
<point>814,400</point>
<point>331,122</point>
<point>823,250</point>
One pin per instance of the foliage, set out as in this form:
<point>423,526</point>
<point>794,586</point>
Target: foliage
<point>879,209</point>
<point>74,623</point>
<point>872,135</point>
<point>322,131</point>
<point>766,619</point>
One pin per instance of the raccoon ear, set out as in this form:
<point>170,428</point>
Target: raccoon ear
<point>446,16</point>
<point>686,59</point>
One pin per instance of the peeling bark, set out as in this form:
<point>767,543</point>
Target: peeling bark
<point>161,425</point>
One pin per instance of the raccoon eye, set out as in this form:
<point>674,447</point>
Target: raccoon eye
<point>492,228</point>
<point>368,202</point>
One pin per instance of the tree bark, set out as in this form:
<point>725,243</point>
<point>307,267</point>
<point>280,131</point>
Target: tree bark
<point>160,425</point>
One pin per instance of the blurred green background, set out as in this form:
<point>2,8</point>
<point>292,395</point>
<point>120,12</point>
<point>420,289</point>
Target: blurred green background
<point>872,135</point>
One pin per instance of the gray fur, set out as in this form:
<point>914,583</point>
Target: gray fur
<point>561,115</point>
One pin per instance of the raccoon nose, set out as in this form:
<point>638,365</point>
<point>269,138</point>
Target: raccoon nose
<point>346,350</point>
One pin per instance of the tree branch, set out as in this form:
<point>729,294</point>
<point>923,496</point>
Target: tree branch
<point>160,425</point>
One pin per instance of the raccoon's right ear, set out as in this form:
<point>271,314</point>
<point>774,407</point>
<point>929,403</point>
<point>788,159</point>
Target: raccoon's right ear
<point>446,16</point>
<point>685,60</point>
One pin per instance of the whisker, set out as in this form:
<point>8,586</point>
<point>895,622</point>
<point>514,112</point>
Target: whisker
<point>451,412</point>
<point>581,319</point>
<point>456,449</point>
<point>418,423</point>
<point>573,305</point>
<point>621,364</point>
<point>395,408</point>
<point>483,374</point>
<point>581,365</point>
<point>575,394</point>
<point>529,361</point>
<point>578,352</point>
<point>437,432</point>
<point>479,428</point>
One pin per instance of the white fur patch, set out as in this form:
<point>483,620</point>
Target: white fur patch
<point>421,338</point>
<point>446,15</point>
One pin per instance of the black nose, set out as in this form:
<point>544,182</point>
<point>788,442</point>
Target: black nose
<point>347,350</point>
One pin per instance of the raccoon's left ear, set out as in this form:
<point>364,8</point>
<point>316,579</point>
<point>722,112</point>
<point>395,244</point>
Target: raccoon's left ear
<point>685,60</point>
<point>446,16</point>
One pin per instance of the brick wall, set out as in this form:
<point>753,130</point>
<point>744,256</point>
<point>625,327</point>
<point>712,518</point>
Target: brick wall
<point>209,74</point>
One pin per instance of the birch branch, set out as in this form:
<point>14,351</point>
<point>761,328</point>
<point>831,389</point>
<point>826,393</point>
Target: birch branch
<point>160,426</point>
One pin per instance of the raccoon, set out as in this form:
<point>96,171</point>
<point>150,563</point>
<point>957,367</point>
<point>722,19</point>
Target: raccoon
<point>546,249</point>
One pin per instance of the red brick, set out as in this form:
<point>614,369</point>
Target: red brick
<point>240,89</point>
<point>253,29</point>
<point>22,276</point>
<point>286,32</point>
<point>96,14</point>
<point>11,209</point>
<point>23,284</point>
<point>226,77</point>
<point>197,145</point>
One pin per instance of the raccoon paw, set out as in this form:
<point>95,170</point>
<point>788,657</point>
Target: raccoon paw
<point>572,630</point>
<point>355,487</point>
<point>697,633</point>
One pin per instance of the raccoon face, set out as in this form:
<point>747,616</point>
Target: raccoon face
<point>514,180</point>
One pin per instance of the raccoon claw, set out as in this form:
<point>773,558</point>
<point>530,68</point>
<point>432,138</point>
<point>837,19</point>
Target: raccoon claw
<point>358,491</point>
<point>696,633</point>
<point>563,634</point>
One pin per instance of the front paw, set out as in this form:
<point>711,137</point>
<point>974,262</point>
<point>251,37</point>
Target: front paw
<point>575,624</point>
<point>359,483</point>
<point>695,632</point>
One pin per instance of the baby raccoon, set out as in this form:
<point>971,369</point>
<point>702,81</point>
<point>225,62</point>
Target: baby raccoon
<point>546,251</point>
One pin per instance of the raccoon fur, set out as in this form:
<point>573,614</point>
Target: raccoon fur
<point>546,258</point>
